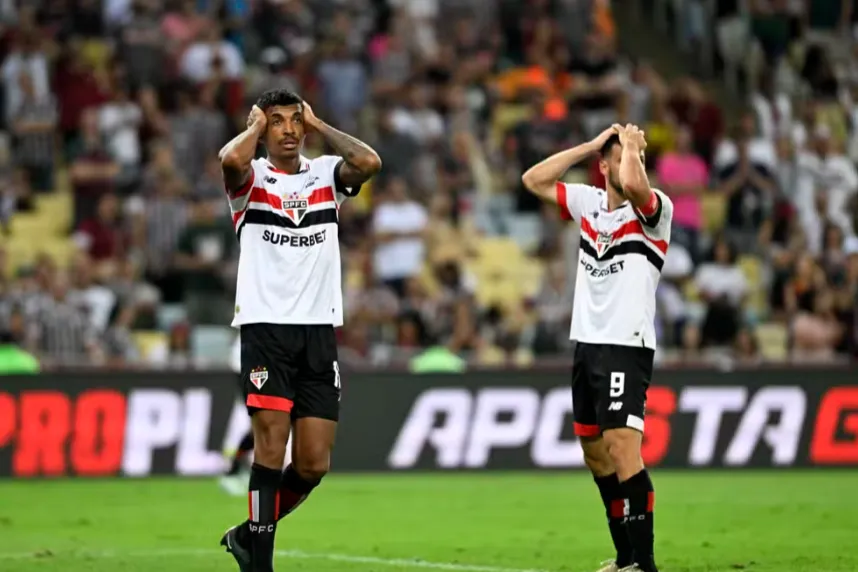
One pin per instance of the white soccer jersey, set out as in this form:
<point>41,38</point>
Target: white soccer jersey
<point>620,257</point>
<point>289,269</point>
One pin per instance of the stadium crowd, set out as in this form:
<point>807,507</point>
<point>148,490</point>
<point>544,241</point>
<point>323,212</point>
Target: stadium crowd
<point>121,106</point>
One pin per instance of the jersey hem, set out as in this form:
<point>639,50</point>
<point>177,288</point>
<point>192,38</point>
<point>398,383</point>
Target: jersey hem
<point>237,325</point>
<point>610,342</point>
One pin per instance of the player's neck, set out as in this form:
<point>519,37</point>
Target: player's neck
<point>291,165</point>
<point>615,199</point>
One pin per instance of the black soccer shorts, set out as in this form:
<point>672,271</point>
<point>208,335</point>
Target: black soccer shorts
<point>609,384</point>
<point>291,368</point>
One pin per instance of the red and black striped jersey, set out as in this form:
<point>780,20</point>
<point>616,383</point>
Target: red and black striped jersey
<point>289,269</point>
<point>620,256</point>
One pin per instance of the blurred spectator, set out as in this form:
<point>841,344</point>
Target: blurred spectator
<point>196,130</point>
<point>27,57</point>
<point>399,224</point>
<point>95,300</point>
<point>101,236</point>
<point>92,171</point>
<point>596,84</point>
<point>119,121</point>
<point>211,55</point>
<point>33,126</point>
<point>61,331</point>
<point>142,48</point>
<point>554,310</point>
<point>182,24</point>
<point>684,176</point>
<point>722,285</point>
<point>343,85</point>
<point>78,88</point>
<point>750,191</point>
<point>204,246</point>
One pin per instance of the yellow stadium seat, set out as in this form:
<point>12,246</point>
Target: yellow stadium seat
<point>752,269</point>
<point>490,356</point>
<point>149,343</point>
<point>773,341</point>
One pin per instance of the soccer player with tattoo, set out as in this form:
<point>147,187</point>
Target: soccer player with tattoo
<point>625,232</point>
<point>285,209</point>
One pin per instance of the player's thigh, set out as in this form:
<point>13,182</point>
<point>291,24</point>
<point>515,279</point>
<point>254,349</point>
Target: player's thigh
<point>317,387</point>
<point>625,378</point>
<point>269,367</point>
<point>585,419</point>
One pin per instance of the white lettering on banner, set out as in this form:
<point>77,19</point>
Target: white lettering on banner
<point>783,438</point>
<point>710,404</point>
<point>192,455</point>
<point>548,450</point>
<point>419,429</point>
<point>152,422</point>
<point>496,418</point>
<point>488,431</point>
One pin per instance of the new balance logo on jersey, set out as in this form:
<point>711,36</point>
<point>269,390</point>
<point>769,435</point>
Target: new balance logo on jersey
<point>270,180</point>
<point>597,272</point>
<point>294,240</point>
<point>295,207</point>
<point>615,406</point>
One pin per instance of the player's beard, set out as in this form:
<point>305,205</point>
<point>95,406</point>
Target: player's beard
<point>614,181</point>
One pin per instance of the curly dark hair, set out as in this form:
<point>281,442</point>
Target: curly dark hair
<point>278,97</point>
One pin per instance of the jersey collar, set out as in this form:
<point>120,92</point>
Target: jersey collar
<point>305,166</point>
<point>603,205</point>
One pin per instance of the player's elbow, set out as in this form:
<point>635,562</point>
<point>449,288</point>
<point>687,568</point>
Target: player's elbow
<point>529,181</point>
<point>232,160</point>
<point>370,164</point>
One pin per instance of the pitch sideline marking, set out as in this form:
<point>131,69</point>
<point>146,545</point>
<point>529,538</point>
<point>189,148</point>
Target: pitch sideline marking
<point>296,554</point>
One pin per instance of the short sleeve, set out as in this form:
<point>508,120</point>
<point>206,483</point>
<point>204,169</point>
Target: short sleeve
<point>239,198</point>
<point>657,216</point>
<point>572,199</point>
<point>341,191</point>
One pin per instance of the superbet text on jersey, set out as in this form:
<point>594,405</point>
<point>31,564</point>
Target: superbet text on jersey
<point>289,270</point>
<point>620,256</point>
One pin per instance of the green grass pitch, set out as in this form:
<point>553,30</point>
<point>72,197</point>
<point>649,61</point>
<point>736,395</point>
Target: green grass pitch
<point>795,521</point>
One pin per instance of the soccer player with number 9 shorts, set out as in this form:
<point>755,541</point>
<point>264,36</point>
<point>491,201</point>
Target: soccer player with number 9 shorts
<point>625,232</point>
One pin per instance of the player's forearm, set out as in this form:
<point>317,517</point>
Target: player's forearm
<point>357,154</point>
<point>240,151</point>
<point>542,177</point>
<point>633,177</point>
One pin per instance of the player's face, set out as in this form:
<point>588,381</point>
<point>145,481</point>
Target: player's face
<point>610,168</point>
<point>285,134</point>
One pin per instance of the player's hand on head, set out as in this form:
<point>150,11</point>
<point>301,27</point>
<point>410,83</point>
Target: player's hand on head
<point>603,137</point>
<point>636,136</point>
<point>256,117</point>
<point>630,133</point>
<point>310,119</point>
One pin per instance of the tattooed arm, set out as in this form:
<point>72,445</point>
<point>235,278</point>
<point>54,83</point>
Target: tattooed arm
<point>360,161</point>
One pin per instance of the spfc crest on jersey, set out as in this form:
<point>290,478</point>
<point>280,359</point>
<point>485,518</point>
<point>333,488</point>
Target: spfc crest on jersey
<point>603,241</point>
<point>295,207</point>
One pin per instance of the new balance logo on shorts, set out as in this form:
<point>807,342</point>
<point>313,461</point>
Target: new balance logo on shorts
<point>615,406</point>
